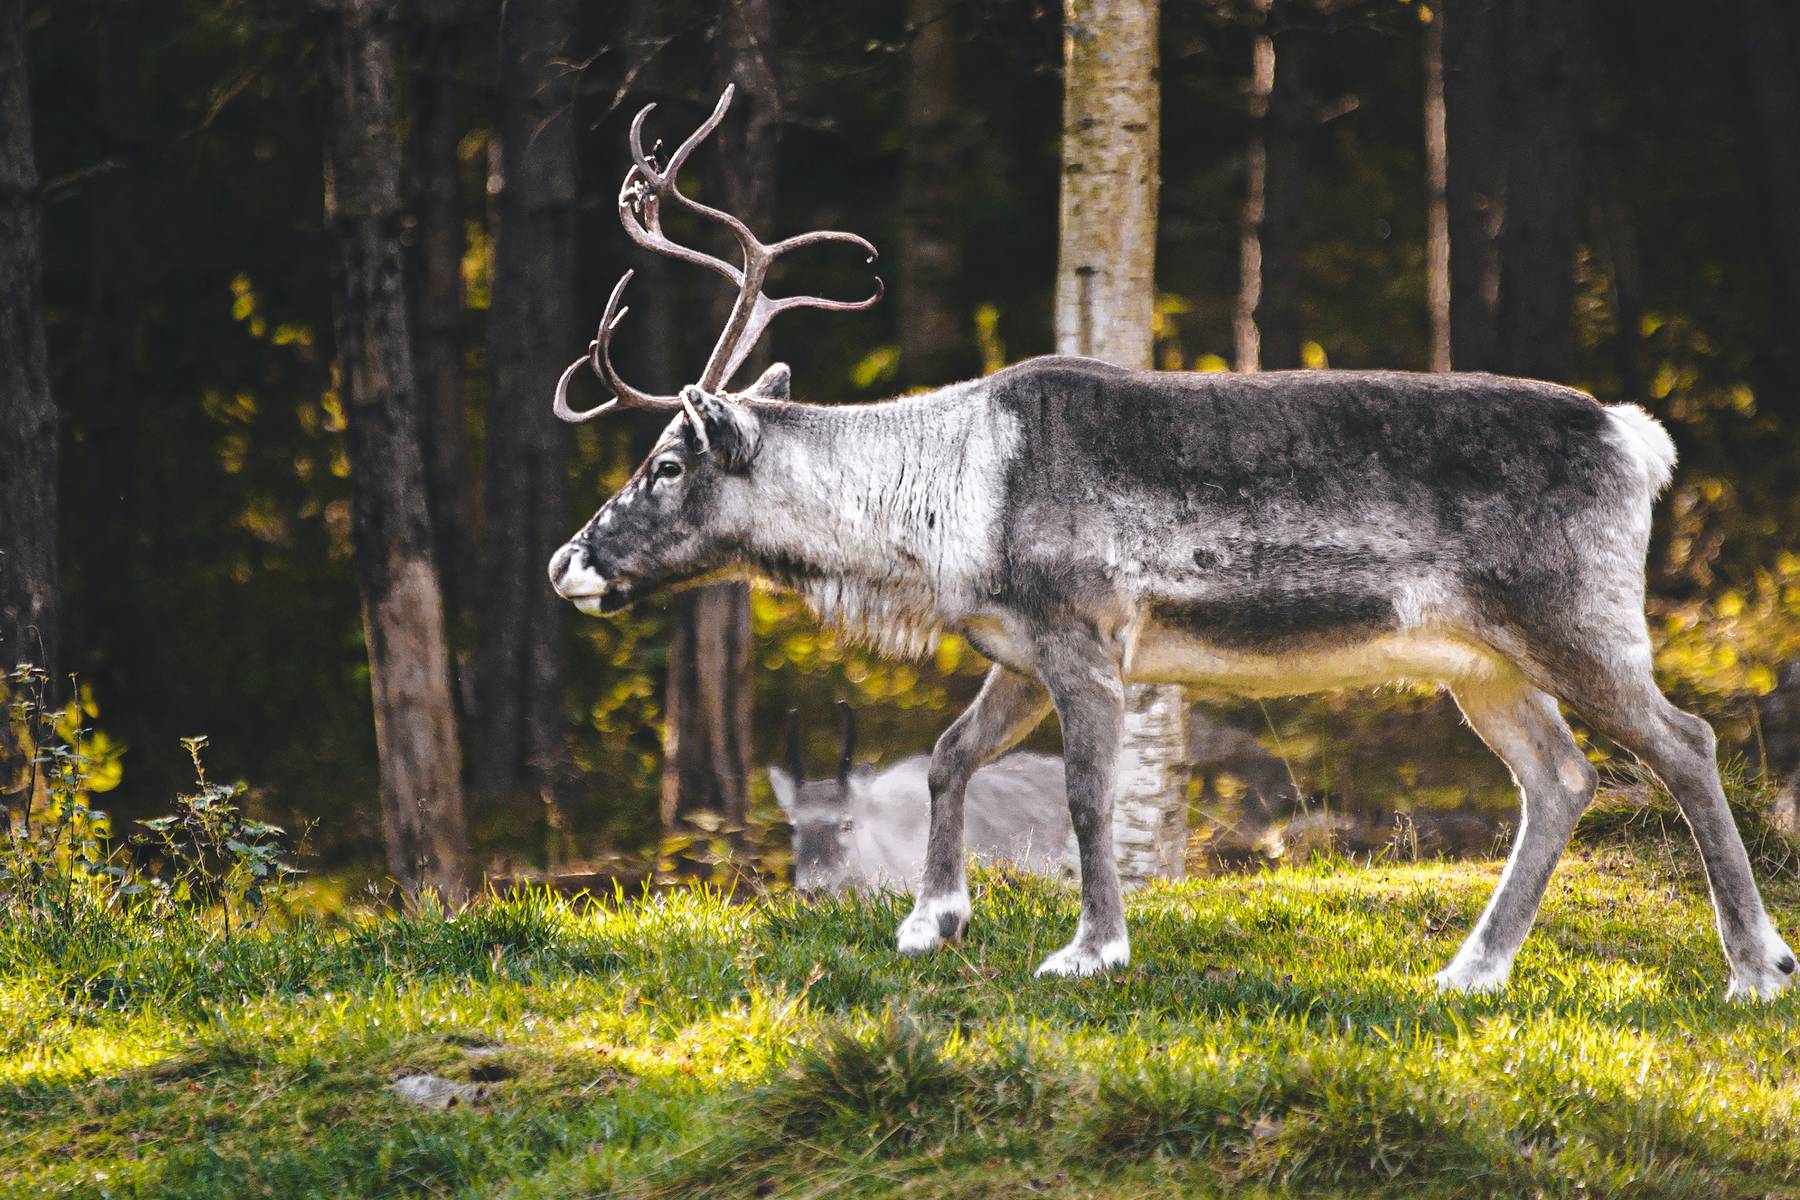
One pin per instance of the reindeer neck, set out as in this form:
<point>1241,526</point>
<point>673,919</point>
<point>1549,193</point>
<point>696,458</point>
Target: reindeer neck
<point>882,516</point>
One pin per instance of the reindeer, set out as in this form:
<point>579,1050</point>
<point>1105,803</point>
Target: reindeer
<point>1086,526</point>
<point>867,829</point>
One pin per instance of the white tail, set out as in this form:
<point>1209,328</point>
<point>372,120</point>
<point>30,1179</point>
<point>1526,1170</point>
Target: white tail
<point>1654,448</point>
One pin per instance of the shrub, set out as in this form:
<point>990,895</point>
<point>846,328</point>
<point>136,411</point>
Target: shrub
<point>59,864</point>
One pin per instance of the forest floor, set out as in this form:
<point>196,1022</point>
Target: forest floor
<point>1277,1033</point>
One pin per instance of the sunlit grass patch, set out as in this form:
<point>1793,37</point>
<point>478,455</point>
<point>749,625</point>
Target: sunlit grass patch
<point>1276,1033</point>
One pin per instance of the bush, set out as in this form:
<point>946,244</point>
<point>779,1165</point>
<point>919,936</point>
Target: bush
<point>59,862</point>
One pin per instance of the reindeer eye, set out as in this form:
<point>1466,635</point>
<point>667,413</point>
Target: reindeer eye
<point>668,468</point>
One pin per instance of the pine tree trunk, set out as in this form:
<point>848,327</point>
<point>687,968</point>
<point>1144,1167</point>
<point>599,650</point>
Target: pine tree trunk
<point>30,602</point>
<point>1283,112</point>
<point>403,612</point>
<point>1769,55</point>
<point>706,730</point>
<point>1105,290</point>
<point>1247,340</point>
<point>1437,211</point>
<point>438,324</point>
<point>655,345</point>
<point>1293,112</point>
<point>1474,174</point>
<point>531,334</point>
<point>110,422</point>
<point>706,719</point>
<point>1548,69</point>
<point>935,347</point>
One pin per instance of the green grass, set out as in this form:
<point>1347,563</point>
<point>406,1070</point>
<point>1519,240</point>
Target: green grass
<point>1277,1034</point>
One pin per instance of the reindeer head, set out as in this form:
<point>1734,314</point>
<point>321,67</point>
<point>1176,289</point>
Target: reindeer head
<point>821,812</point>
<point>684,509</point>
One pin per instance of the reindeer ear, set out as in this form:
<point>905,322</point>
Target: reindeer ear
<point>772,384</point>
<point>782,784</point>
<point>730,432</point>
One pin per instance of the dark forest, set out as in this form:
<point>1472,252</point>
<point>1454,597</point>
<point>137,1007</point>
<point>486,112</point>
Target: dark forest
<point>1601,193</point>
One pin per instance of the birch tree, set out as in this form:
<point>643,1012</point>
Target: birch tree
<point>1105,290</point>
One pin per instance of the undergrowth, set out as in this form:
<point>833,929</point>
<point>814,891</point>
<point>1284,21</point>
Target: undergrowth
<point>1276,1034</point>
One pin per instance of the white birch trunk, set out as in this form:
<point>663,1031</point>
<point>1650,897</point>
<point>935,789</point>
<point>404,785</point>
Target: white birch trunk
<point>1105,290</point>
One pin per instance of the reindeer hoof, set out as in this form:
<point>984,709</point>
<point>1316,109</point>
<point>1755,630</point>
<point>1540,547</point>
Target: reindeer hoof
<point>1767,977</point>
<point>1471,978</point>
<point>933,921</point>
<point>1078,959</point>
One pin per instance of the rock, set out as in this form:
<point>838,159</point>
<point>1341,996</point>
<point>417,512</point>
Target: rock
<point>434,1091</point>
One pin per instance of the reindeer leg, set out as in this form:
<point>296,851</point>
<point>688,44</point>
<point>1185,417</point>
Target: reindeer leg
<point>1556,782</point>
<point>1009,706</point>
<point>1085,683</point>
<point>1617,696</point>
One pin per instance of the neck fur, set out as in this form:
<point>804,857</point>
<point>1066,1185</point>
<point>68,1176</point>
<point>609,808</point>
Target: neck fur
<point>883,517</point>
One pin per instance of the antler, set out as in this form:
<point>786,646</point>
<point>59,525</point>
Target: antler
<point>599,356</point>
<point>645,190</point>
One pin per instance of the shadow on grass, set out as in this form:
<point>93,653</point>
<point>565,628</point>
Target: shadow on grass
<point>1277,1032</point>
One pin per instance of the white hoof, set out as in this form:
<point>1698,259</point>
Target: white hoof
<point>933,921</point>
<point>1768,977</point>
<point>1472,978</point>
<point>1076,959</point>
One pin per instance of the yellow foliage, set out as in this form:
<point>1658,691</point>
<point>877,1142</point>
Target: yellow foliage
<point>477,265</point>
<point>877,366</point>
<point>987,336</point>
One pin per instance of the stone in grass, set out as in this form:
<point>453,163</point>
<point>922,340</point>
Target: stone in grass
<point>434,1091</point>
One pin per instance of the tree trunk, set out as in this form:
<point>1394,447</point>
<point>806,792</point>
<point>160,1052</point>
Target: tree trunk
<point>1105,290</point>
<point>1293,112</point>
<point>1283,112</point>
<point>438,297</point>
<point>30,604</point>
<point>1615,237</point>
<point>1437,212</point>
<point>655,349</point>
<point>531,334</point>
<point>1474,174</point>
<point>110,422</point>
<point>706,717</point>
<point>1247,340</point>
<point>1769,55</point>
<point>935,347</point>
<point>1548,67</point>
<point>706,730</point>
<point>403,611</point>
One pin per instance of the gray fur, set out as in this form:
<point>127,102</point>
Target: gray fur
<point>870,832</point>
<point>1084,526</point>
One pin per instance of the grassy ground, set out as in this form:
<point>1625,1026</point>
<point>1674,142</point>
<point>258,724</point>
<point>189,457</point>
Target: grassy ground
<point>1277,1034</point>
